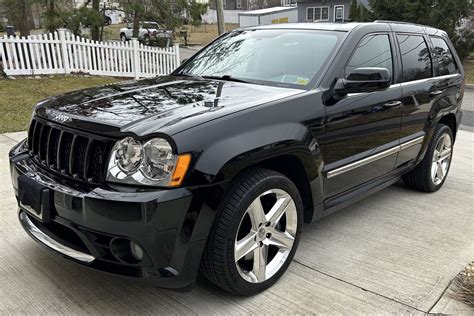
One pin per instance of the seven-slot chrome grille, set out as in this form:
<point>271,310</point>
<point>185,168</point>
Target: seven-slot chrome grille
<point>73,154</point>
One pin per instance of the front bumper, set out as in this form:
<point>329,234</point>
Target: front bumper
<point>93,226</point>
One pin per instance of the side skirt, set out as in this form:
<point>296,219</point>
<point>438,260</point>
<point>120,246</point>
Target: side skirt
<point>359,193</point>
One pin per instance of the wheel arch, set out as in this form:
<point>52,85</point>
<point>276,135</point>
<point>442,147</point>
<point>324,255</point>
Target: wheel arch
<point>297,163</point>
<point>286,147</point>
<point>450,120</point>
<point>292,167</point>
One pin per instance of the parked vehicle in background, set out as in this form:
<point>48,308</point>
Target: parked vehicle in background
<point>217,166</point>
<point>107,20</point>
<point>149,33</point>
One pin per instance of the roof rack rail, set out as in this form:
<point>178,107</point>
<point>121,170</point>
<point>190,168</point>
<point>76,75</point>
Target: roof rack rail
<point>400,22</point>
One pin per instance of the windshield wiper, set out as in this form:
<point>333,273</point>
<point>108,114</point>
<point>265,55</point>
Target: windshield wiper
<point>223,77</point>
<point>185,74</point>
<point>230,78</point>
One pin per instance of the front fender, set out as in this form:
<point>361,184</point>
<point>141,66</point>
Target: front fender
<point>225,158</point>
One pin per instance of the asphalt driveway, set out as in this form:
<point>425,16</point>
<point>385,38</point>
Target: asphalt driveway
<point>393,252</point>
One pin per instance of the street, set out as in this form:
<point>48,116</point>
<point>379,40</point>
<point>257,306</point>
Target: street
<point>187,51</point>
<point>394,252</point>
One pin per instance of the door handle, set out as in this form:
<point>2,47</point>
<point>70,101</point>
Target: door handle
<point>436,92</point>
<point>392,104</point>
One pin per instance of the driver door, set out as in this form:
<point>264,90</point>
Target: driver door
<point>363,129</point>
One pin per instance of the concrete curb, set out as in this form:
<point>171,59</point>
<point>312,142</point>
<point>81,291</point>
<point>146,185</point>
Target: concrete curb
<point>469,87</point>
<point>466,128</point>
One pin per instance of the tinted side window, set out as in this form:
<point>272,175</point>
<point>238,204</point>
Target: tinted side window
<point>442,54</point>
<point>372,51</point>
<point>416,59</point>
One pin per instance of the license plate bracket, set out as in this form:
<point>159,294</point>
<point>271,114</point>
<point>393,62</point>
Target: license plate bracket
<point>34,198</point>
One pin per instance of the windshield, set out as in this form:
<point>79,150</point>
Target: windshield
<point>280,57</point>
<point>150,25</point>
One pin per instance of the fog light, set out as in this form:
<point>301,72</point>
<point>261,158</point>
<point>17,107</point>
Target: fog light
<point>136,250</point>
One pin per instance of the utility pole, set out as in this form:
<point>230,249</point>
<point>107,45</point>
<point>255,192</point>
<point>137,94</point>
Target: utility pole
<point>220,16</point>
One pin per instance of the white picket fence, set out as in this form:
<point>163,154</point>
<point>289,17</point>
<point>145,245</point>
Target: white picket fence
<point>62,53</point>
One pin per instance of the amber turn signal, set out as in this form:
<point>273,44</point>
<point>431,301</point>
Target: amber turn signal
<point>180,171</point>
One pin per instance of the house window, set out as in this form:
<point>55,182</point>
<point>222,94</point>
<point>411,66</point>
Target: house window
<point>317,14</point>
<point>325,14</point>
<point>238,4</point>
<point>338,13</point>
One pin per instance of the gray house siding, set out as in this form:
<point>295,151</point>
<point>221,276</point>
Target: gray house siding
<point>245,4</point>
<point>321,6</point>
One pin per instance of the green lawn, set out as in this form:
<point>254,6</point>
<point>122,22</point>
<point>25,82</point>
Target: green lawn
<point>18,96</point>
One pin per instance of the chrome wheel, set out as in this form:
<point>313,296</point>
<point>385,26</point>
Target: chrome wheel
<point>265,236</point>
<point>441,159</point>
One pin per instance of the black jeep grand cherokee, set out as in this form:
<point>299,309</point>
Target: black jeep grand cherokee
<point>215,167</point>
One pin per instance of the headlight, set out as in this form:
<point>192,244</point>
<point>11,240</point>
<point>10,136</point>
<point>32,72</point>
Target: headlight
<point>159,160</point>
<point>129,155</point>
<point>151,163</point>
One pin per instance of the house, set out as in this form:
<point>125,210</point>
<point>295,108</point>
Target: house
<point>325,10</point>
<point>246,4</point>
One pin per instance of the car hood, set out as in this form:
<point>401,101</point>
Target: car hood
<point>160,105</point>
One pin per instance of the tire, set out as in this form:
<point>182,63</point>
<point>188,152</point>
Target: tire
<point>123,38</point>
<point>235,217</point>
<point>424,177</point>
<point>146,40</point>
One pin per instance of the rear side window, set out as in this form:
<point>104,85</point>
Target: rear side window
<point>443,56</point>
<point>372,51</point>
<point>416,59</point>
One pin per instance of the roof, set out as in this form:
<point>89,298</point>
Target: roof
<point>311,26</point>
<point>346,27</point>
<point>268,11</point>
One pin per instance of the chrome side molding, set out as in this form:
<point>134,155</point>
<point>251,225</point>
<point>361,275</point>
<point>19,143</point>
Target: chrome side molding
<point>412,142</point>
<point>51,243</point>
<point>359,163</point>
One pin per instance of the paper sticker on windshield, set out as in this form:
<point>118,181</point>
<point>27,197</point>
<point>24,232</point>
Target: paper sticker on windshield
<point>302,81</point>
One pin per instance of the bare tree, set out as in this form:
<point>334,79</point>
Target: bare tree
<point>134,9</point>
<point>19,14</point>
<point>24,17</point>
<point>3,75</point>
<point>95,30</point>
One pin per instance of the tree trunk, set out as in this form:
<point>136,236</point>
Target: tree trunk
<point>95,31</point>
<point>24,23</point>
<point>3,75</point>
<point>136,23</point>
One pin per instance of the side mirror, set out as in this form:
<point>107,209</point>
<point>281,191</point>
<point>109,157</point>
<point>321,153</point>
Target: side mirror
<point>367,79</point>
